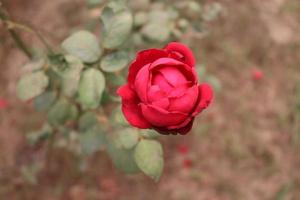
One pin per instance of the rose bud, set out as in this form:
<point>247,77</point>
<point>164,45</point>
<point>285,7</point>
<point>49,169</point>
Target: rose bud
<point>257,74</point>
<point>162,90</point>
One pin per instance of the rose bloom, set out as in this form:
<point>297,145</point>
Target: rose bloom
<point>162,90</point>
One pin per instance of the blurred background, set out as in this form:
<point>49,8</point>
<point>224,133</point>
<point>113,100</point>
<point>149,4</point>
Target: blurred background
<point>244,147</point>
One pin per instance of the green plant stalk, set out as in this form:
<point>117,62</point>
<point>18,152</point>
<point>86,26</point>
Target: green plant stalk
<point>19,42</point>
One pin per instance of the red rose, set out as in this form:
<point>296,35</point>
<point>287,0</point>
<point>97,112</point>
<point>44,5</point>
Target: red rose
<point>163,91</point>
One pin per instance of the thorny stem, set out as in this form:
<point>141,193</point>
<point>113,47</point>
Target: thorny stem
<point>13,25</point>
<point>49,151</point>
<point>19,42</point>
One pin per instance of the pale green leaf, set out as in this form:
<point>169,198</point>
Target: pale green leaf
<point>117,5</point>
<point>149,158</point>
<point>117,29</point>
<point>92,140</point>
<point>128,137</point>
<point>71,76</point>
<point>34,65</point>
<point>118,117</point>
<point>32,85</point>
<point>140,18</point>
<point>91,86</point>
<point>83,45</point>
<point>123,159</point>
<point>87,121</point>
<point>44,101</point>
<point>94,3</point>
<point>149,134</point>
<point>156,32</point>
<point>35,137</point>
<point>114,61</point>
<point>61,112</point>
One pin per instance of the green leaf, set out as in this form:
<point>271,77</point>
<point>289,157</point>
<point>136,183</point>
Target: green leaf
<point>92,140</point>
<point>117,28</point>
<point>44,101</point>
<point>118,118</point>
<point>156,32</point>
<point>140,18</point>
<point>123,159</point>
<point>61,112</point>
<point>149,158</point>
<point>106,16</point>
<point>32,85</point>
<point>34,65</point>
<point>71,76</point>
<point>87,121</point>
<point>115,79</point>
<point>115,61</point>
<point>162,15</point>
<point>193,10</point>
<point>91,86</point>
<point>40,135</point>
<point>94,3</point>
<point>83,45</point>
<point>183,24</point>
<point>117,5</point>
<point>149,134</point>
<point>137,39</point>
<point>128,137</point>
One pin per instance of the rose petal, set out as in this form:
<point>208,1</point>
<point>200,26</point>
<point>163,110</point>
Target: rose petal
<point>126,93</point>
<point>143,58</point>
<point>179,90</point>
<point>185,70</point>
<point>182,131</point>
<point>161,118</point>
<point>142,82</point>
<point>159,80</point>
<point>162,103</point>
<point>205,97</point>
<point>186,129</point>
<point>130,108</point>
<point>155,93</point>
<point>188,56</point>
<point>183,124</point>
<point>173,75</point>
<point>186,102</point>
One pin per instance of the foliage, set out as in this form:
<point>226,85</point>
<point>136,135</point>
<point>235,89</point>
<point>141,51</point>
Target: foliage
<point>75,85</point>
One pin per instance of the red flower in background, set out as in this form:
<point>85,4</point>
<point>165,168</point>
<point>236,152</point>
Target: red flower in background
<point>187,163</point>
<point>257,74</point>
<point>3,103</point>
<point>162,90</point>
<point>183,149</point>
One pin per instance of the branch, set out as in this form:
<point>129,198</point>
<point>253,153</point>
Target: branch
<point>19,42</point>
